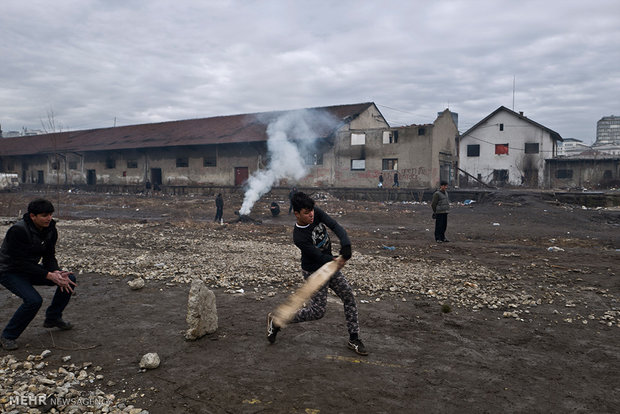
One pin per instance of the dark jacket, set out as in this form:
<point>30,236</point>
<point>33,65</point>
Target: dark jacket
<point>219,202</point>
<point>441,202</point>
<point>314,242</point>
<point>24,246</point>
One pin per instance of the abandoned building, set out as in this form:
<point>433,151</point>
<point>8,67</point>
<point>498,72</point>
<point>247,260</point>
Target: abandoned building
<point>352,150</point>
<point>590,169</point>
<point>506,149</point>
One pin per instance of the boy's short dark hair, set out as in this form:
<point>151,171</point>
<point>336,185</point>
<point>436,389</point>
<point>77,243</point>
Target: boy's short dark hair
<point>302,200</point>
<point>443,182</point>
<point>39,206</point>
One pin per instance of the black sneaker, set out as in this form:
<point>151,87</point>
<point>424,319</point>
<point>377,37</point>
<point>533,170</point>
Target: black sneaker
<point>272,329</point>
<point>8,344</point>
<point>357,346</point>
<point>58,323</point>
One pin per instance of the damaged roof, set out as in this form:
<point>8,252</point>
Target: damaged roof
<point>204,131</point>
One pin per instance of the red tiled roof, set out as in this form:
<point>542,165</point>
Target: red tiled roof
<point>203,131</point>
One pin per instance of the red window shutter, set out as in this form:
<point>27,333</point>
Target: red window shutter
<point>501,149</point>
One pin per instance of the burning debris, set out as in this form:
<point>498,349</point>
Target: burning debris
<point>245,218</point>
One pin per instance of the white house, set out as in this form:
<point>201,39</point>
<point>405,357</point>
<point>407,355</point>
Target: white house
<point>506,148</point>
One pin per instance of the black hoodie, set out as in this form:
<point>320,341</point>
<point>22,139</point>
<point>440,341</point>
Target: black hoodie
<point>25,245</point>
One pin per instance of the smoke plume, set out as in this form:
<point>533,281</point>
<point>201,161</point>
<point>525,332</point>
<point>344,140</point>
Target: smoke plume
<point>291,136</point>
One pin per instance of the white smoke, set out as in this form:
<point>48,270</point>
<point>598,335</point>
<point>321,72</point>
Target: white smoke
<point>290,137</point>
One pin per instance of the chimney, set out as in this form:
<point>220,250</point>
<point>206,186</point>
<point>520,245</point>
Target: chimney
<point>521,113</point>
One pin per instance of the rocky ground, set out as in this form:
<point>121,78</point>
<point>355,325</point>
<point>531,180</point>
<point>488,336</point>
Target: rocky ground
<point>519,312</point>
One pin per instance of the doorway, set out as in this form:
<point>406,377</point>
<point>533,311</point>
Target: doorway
<point>241,175</point>
<point>156,177</point>
<point>91,177</point>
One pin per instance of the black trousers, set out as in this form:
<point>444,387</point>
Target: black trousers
<point>441,224</point>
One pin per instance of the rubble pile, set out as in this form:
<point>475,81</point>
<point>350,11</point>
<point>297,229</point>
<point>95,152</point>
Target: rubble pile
<point>33,386</point>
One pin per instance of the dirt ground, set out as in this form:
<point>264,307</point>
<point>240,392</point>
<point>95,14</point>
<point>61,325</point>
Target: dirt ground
<point>556,349</point>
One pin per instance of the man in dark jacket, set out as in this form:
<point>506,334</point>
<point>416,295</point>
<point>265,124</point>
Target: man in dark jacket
<point>27,242</point>
<point>311,237</point>
<point>441,206</point>
<point>219,208</point>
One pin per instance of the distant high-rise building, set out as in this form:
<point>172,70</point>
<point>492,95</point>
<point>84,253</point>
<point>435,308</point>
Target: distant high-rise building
<point>608,130</point>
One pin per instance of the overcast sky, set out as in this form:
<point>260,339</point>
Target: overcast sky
<point>93,63</point>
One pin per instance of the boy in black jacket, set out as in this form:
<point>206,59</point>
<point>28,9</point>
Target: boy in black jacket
<point>311,237</point>
<point>27,242</point>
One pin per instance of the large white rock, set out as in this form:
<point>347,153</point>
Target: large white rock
<point>201,311</point>
<point>149,361</point>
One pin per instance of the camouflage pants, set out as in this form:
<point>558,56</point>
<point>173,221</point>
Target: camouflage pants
<point>318,304</point>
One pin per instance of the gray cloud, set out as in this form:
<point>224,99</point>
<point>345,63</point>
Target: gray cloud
<point>138,62</point>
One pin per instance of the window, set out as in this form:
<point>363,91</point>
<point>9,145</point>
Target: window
<point>501,149</point>
<point>110,163</point>
<point>313,159</point>
<point>473,150</point>
<point>390,137</point>
<point>358,139</point>
<point>389,164</point>
<point>500,176</point>
<point>531,148</point>
<point>567,174</point>
<point>182,162</point>
<point>132,164</point>
<point>358,165</point>
<point>501,127</point>
<point>421,131</point>
<point>73,165</point>
<point>54,165</point>
<point>209,161</point>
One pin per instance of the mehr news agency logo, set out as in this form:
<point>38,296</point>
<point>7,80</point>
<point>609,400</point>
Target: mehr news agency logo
<point>32,400</point>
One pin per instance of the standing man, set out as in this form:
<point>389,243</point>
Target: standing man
<point>27,242</point>
<point>380,181</point>
<point>441,206</point>
<point>396,184</point>
<point>311,237</point>
<point>219,206</point>
<point>290,199</point>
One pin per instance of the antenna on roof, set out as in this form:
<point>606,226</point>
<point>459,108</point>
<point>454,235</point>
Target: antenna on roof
<point>115,117</point>
<point>513,92</point>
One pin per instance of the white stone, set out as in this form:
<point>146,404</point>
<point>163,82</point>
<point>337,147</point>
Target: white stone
<point>149,361</point>
<point>136,284</point>
<point>201,311</point>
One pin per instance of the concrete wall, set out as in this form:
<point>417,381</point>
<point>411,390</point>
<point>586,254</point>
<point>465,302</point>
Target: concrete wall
<point>516,133</point>
<point>583,173</point>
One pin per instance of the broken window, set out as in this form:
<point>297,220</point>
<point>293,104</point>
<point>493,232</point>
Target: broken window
<point>389,164</point>
<point>390,137</point>
<point>531,148</point>
<point>313,159</point>
<point>182,162</point>
<point>209,161</point>
<point>110,163</point>
<point>566,174</point>
<point>500,176</point>
<point>421,131</point>
<point>358,165</point>
<point>501,127</point>
<point>132,164</point>
<point>473,150</point>
<point>501,149</point>
<point>358,139</point>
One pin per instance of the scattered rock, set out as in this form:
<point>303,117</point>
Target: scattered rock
<point>136,284</point>
<point>149,361</point>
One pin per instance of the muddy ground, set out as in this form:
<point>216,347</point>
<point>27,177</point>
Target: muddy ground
<point>552,346</point>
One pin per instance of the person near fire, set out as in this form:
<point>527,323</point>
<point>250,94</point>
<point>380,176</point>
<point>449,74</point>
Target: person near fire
<point>310,235</point>
<point>29,241</point>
